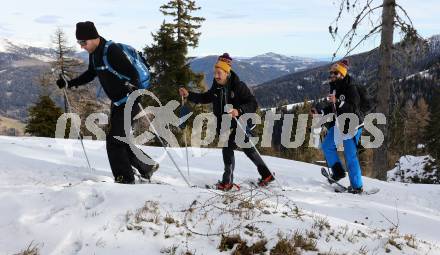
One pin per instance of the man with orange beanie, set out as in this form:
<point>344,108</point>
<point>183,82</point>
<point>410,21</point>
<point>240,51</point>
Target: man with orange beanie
<point>344,98</point>
<point>228,89</point>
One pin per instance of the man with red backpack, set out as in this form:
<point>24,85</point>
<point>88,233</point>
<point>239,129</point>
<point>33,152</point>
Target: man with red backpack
<point>118,76</point>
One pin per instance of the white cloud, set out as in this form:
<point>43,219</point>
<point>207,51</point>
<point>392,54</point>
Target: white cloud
<point>47,19</point>
<point>5,31</point>
<point>246,27</point>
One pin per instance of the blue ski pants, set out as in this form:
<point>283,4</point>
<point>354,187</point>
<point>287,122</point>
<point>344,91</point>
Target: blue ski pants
<point>350,153</point>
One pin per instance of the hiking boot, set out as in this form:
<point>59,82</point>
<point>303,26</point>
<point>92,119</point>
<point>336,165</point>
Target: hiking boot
<point>226,186</point>
<point>352,190</point>
<point>121,180</point>
<point>263,182</point>
<point>338,172</point>
<point>147,174</point>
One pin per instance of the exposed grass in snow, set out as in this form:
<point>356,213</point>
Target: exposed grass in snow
<point>411,169</point>
<point>32,249</point>
<point>50,200</point>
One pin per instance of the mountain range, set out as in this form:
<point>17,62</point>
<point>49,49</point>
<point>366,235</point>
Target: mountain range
<point>21,67</point>
<point>274,78</point>
<point>258,69</point>
<point>409,60</point>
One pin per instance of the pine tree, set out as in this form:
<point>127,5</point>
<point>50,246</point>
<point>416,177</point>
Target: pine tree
<point>396,137</point>
<point>409,129</point>
<point>167,56</point>
<point>46,83</point>
<point>43,117</point>
<point>432,134</point>
<point>64,63</point>
<point>184,25</point>
<point>411,132</point>
<point>422,117</point>
<point>184,28</point>
<point>306,153</point>
<point>83,101</point>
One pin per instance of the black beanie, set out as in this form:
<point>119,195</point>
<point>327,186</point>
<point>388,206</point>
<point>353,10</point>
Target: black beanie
<point>86,31</point>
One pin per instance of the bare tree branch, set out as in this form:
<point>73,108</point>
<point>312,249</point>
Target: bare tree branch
<point>373,31</point>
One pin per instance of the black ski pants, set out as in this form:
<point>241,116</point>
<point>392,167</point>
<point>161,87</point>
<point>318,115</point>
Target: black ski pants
<point>229,160</point>
<point>120,155</point>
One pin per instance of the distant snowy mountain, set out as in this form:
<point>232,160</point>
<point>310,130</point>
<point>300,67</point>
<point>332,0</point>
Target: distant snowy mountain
<point>26,51</point>
<point>35,51</point>
<point>21,66</point>
<point>258,69</point>
<point>282,63</point>
<point>363,68</point>
<point>435,39</point>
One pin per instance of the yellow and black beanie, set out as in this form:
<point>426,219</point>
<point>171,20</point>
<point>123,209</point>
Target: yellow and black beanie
<point>341,67</point>
<point>224,62</point>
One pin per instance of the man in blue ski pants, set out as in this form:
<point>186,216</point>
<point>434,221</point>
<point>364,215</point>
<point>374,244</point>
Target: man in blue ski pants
<point>344,98</point>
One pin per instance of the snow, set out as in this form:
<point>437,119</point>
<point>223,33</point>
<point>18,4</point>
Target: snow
<point>410,169</point>
<point>42,57</point>
<point>300,68</point>
<point>25,48</point>
<point>434,39</point>
<point>291,106</point>
<point>51,199</point>
<point>6,43</point>
<point>3,45</point>
<point>277,66</point>
<point>281,62</point>
<point>423,75</point>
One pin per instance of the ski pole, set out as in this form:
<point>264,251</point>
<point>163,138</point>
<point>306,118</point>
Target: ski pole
<point>79,129</point>
<point>164,146</point>
<point>253,145</point>
<point>186,143</point>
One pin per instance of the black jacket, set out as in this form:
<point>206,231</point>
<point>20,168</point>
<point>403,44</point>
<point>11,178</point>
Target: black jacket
<point>347,99</point>
<point>114,87</point>
<point>234,92</point>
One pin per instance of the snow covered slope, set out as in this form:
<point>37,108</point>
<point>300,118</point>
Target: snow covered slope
<point>25,50</point>
<point>52,201</point>
<point>411,169</point>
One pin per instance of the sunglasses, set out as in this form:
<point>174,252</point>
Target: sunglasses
<point>334,73</point>
<point>82,42</point>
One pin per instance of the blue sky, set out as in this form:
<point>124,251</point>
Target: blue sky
<point>240,27</point>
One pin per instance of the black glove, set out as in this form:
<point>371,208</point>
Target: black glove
<point>61,83</point>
